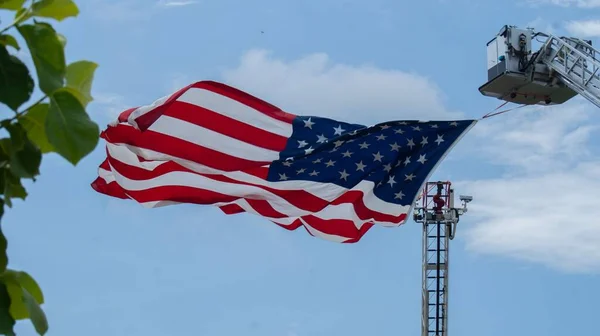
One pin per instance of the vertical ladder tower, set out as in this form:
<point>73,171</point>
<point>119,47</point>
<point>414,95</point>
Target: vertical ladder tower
<point>439,217</point>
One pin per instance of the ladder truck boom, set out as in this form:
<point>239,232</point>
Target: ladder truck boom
<point>560,69</point>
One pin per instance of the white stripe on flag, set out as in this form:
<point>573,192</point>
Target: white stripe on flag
<point>216,141</point>
<point>235,110</point>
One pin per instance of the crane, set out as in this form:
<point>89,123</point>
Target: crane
<point>435,210</point>
<point>560,69</point>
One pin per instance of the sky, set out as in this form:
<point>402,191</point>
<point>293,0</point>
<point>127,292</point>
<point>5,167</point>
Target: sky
<point>525,259</point>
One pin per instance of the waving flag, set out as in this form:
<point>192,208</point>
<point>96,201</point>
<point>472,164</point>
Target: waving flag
<point>213,144</point>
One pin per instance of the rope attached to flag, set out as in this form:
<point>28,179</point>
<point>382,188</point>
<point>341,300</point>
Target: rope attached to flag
<point>495,112</point>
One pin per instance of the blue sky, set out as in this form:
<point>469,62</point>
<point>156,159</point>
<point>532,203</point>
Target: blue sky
<point>525,260</point>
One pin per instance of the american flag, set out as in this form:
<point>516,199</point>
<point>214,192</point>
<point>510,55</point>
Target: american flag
<point>212,144</point>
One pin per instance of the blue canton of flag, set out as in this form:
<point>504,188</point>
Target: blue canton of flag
<point>397,156</point>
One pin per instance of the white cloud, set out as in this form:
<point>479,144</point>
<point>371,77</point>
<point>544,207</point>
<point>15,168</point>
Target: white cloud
<point>176,82</point>
<point>545,209</point>
<point>585,28</point>
<point>109,104</point>
<point>567,3</point>
<point>537,139</point>
<point>132,10</point>
<point>314,85</point>
<point>119,11</point>
<point>549,218</point>
<point>166,3</point>
<point>541,25</point>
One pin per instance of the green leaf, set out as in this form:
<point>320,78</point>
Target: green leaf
<point>12,188</point>
<point>55,9</point>
<point>28,283</point>
<point>34,123</point>
<point>16,85</point>
<point>9,40</point>
<point>25,157</point>
<point>36,314</point>
<point>80,76</point>
<point>25,299</point>
<point>5,150</point>
<point>7,322</point>
<point>80,97</point>
<point>69,129</point>
<point>11,4</point>
<point>18,310</point>
<point>17,136</point>
<point>3,247</point>
<point>25,163</point>
<point>62,39</point>
<point>47,53</point>
<point>21,15</point>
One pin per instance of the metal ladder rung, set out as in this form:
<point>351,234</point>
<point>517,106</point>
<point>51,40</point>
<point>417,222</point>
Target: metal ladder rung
<point>577,63</point>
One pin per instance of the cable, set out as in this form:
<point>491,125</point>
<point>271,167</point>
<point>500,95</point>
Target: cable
<point>492,114</point>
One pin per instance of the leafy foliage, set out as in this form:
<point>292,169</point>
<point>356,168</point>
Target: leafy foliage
<point>55,122</point>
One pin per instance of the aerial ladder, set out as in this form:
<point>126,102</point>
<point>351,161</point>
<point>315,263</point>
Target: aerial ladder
<point>560,69</point>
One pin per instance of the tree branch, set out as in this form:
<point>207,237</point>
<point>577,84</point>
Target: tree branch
<point>19,18</point>
<point>19,114</point>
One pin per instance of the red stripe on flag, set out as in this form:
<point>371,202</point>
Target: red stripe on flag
<point>264,208</point>
<point>337,227</point>
<point>105,165</point>
<point>147,119</point>
<point>181,194</point>
<point>125,114</point>
<point>259,172</point>
<point>293,226</point>
<point>356,198</point>
<point>247,99</point>
<point>227,126</point>
<point>178,148</point>
<point>232,209</point>
<point>110,189</point>
<point>348,229</point>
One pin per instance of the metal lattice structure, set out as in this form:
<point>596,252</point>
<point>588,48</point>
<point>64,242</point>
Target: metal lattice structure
<point>439,217</point>
<point>576,62</point>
